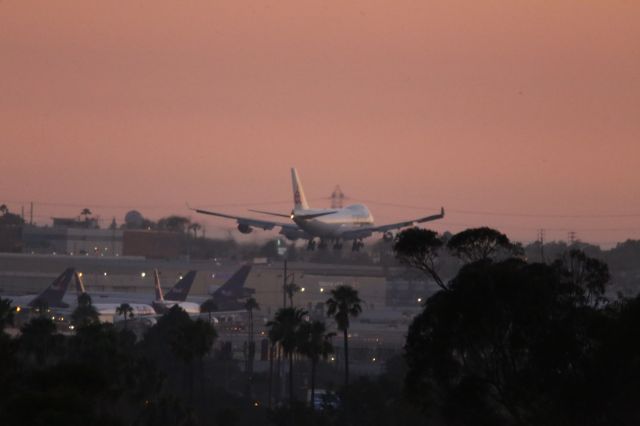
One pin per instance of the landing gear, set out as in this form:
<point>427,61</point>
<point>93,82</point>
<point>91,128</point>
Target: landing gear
<point>357,245</point>
<point>337,245</point>
<point>322,245</point>
<point>311,246</point>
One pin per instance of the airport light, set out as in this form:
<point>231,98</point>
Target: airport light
<point>373,359</point>
<point>80,274</point>
<point>419,299</point>
<point>18,308</point>
<point>105,274</point>
<point>302,289</point>
<point>321,290</point>
<point>143,274</point>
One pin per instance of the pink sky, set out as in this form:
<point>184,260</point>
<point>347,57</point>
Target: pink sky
<point>526,108</point>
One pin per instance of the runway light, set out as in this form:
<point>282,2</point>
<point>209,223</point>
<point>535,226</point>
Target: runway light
<point>18,308</point>
<point>143,274</point>
<point>105,274</point>
<point>333,358</point>
<point>419,299</point>
<point>180,277</point>
<point>80,274</point>
<point>321,290</point>
<point>302,289</point>
<point>373,359</point>
<point>256,404</point>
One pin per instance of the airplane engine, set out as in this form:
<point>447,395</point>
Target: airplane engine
<point>388,236</point>
<point>244,228</point>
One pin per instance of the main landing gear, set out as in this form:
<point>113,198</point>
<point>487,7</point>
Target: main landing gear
<point>357,245</point>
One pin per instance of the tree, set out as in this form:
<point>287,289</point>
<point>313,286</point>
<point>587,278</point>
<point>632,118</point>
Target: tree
<point>343,304</point>
<point>86,213</point>
<point>591,275</point>
<point>483,243</point>
<point>209,306</point>
<point>284,329</point>
<point>6,313</point>
<point>38,338</point>
<point>315,343</point>
<point>291,289</point>
<point>85,313</point>
<point>191,342</point>
<point>511,343</point>
<point>418,248</point>
<point>174,223</point>
<point>126,311</point>
<point>250,305</point>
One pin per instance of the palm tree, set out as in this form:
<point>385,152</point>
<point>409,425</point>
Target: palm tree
<point>284,327</point>
<point>343,304</point>
<point>250,304</point>
<point>314,343</point>
<point>126,311</point>
<point>291,289</point>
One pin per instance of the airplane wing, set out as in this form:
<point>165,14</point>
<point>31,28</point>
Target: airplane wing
<point>367,231</point>
<point>289,230</point>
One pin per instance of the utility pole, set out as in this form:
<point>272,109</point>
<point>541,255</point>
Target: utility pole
<point>572,238</point>
<point>31,214</point>
<point>541,241</point>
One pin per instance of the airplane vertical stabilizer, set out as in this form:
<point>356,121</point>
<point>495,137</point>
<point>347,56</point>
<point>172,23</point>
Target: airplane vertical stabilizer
<point>158,289</point>
<point>180,291</point>
<point>52,295</point>
<point>299,199</point>
<point>79,284</point>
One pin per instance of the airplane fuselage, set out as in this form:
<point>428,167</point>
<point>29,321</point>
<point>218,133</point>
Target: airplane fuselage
<point>336,222</point>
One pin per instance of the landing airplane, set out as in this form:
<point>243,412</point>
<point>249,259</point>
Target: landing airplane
<point>351,223</point>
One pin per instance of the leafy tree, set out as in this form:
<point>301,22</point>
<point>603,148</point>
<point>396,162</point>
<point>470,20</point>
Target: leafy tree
<point>126,311</point>
<point>250,305</point>
<point>174,223</point>
<point>39,339</point>
<point>6,313</point>
<point>343,304</point>
<point>592,275</point>
<point>284,330</point>
<point>472,245</point>
<point>85,313</point>
<point>510,343</point>
<point>419,248</point>
<point>209,306</point>
<point>315,343</point>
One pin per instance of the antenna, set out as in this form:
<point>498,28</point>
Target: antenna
<point>337,197</point>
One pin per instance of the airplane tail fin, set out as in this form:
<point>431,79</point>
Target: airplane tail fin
<point>79,283</point>
<point>299,199</point>
<point>233,287</point>
<point>53,294</point>
<point>180,291</point>
<point>158,289</point>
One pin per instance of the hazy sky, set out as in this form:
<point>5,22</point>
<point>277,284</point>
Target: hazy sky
<point>516,114</point>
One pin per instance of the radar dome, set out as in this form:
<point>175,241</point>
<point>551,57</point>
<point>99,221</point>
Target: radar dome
<point>133,219</point>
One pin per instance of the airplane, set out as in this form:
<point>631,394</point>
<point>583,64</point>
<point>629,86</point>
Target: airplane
<point>176,296</point>
<point>353,222</point>
<point>51,297</point>
<point>110,309</point>
<point>227,297</point>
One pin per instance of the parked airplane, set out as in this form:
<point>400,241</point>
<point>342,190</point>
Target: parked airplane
<point>351,223</point>
<point>51,297</point>
<point>110,309</point>
<point>176,296</point>
<point>228,296</point>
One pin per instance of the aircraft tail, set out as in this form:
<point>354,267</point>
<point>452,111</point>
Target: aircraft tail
<point>299,199</point>
<point>53,294</point>
<point>234,286</point>
<point>180,291</point>
<point>158,289</point>
<point>79,284</point>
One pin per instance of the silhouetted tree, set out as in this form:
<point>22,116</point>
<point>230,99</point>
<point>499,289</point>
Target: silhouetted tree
<point>482,243</point>
<point>343,304</point>
<point>315,343</point>
<point>284,329</point>
<point>6,313</point>
<point>250,305</point>
<point>419,248</point>
<point>84,314</point>
<point>126,311</point>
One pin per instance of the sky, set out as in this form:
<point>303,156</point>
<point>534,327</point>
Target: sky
<point>520,115</point>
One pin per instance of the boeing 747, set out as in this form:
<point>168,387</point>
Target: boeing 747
<point>351,223</point>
